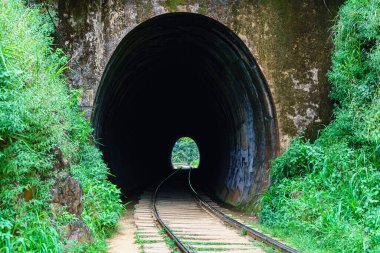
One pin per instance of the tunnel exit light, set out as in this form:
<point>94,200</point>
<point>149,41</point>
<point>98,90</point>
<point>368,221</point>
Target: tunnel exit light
<point>185,154</point>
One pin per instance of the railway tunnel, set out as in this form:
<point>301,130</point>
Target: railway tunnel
<point>185,74</point>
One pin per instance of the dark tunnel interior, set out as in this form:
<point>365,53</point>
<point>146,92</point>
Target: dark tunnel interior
<point>186,75</point>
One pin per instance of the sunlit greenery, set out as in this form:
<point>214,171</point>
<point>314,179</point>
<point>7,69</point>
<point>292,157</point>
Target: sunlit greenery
<point>330,189</point>
<point>185,153</point>
<point>37,115</point>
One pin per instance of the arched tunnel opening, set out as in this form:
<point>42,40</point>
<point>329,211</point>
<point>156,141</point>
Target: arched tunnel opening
<point>184,74</point>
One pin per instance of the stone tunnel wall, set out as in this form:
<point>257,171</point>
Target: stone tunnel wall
<point>289,39</point>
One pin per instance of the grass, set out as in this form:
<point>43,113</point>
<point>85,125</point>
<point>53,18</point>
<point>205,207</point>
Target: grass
<point>265,247</point>
<point>140,241</point>
<point>38,114</point>
<point>303,242</point>
<point>170,242</point>
<point>325,195</point>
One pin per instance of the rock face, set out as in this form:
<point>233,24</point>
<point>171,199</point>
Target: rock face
<point>289,39</point>
<point>61,161</point>
<point>79,232</point>
<point>67,193</point>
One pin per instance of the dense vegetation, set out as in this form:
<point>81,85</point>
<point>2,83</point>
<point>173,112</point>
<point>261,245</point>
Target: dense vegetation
<point>330,189</point>
<point>185,150</point>
<point>37,115</point>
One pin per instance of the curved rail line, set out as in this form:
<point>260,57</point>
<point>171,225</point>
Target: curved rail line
<point>217,213</point>
<point>178,243</point>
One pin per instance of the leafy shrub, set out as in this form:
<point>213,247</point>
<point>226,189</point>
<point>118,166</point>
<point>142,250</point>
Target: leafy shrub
<point>37,114</point>
<point>101,199</point>
<point>331,188</point>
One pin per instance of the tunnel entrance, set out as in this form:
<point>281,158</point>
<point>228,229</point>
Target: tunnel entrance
<point>185,154</point>
<point>185,74</point>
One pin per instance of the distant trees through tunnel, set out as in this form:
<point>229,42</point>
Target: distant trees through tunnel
<point>178,75</point>
<point>185,154</point>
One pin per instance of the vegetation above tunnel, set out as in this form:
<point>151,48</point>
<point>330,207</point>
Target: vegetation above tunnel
<point>329,191</point>
<point>40,125</point>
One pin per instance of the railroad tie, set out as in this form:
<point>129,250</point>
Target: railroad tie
<point>148,235</point>
<point>197,229</point>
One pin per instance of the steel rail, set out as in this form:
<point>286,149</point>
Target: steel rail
<point>234,223</point>
<point>178,243</point>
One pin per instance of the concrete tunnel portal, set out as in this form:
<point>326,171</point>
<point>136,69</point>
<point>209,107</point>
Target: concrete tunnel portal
<point>185,74</point>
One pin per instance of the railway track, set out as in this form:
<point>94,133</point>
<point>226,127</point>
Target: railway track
<point>191,222</point>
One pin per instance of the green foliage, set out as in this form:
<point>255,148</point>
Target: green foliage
<point>186,151</point>
<point>331,189</point>
<point>102,202</point>
<point>38,114</point>
<point>172,4</point>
